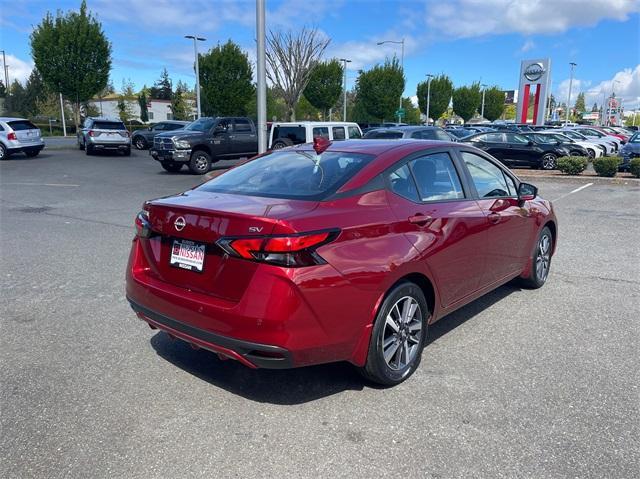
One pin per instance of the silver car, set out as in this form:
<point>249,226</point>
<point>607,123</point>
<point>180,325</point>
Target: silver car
<point>19,135</point>
<point>100,134</point>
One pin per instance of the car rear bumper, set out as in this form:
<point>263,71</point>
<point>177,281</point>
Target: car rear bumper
<point>14,146</point>
<point>176,156</point>
<point>253,355</point>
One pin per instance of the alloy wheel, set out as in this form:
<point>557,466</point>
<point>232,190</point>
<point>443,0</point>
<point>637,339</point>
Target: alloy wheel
<point>402,333</point>
<point>543,257</point>
<point>549,161</point>
<point>140,143</point>
<point>201,163</point>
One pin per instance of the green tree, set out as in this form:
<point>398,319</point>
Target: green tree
<point>16,102</point>
<point>306,111</point>
<point>493,103</point>
<point>440,96</point>
<point>412,113</point>
<point>3,90</point>
<point>226,80</point>
<point>144,111</point>
<point>162,89</point>
<point>126,101</point>
<point>72,54</point>
<point>179,103</point>
<point>580,106</point>
<point>379,89</point>
<point>325,85</point>
<point>34,90</point>
<point>509,112</point>
<point>276,109</point>
<point>466,100</point>
<point>595,108</point>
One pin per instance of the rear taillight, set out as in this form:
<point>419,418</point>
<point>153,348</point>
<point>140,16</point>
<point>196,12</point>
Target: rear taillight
<point>12,136</point>
<point>143,227</point>
<point>291,251</point>
<point>91,133</point>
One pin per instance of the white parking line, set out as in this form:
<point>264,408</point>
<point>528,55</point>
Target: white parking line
<point>574,191</point>
<point>65,185</point>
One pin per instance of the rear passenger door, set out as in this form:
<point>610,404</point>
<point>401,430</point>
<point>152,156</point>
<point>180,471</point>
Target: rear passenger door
<point>244,140</point>
<point>338,133</point>
<point>439,217</point>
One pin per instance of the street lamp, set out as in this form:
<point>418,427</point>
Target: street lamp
<point>566,116</point>
<point>195,51</point>
<point>6,70</point>
<point>482,108</point>
<point>344,106</point>
<point>401,42</point>
<point>429,77</point>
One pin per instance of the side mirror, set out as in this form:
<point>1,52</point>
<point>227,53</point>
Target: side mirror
<point>527,192</point>
<point>530,143</point>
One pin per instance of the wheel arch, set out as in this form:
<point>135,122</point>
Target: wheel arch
<point>554,232</point>
<point>202,147</point>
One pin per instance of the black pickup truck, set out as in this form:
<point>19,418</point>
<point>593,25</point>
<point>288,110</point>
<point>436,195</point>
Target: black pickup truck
<point>206,140</point>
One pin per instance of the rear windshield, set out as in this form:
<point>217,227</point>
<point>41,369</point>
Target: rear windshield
<point>297,134</point>
<point>379,135</point>
<point>292,174</point>
<point>20,125</point>
<point>108,125</point>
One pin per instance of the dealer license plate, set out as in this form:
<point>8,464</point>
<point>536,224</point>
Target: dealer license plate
<point>187,255</point>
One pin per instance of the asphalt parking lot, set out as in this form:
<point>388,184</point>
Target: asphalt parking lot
<point>520,383</point>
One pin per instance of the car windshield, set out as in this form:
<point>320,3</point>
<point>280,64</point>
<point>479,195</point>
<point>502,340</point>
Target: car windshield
<point>20,125</point>
<point>562,138</point>
<point>538,138</point>
<point>381,134</point>
<point>291,174</point>
<point>108,125</point>
<point>575,135</point>
<point>203,124</point>
<point>635,138</point>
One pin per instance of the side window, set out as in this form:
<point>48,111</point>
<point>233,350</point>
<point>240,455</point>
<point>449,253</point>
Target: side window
<point>294,133</point>
<point>417,135</point>
<point>354,132</point>
<point>321,132</point>
<point>441,135</point>
<point>172,126</point>
<point>338,133</point>
<point>158,127</point>
<point>243,126</point>
<point>169,116</point>
<point>437,178</point>
<point>402,183</point>
<point>494,137</point>
<point>487,177</point>
<point>515,138</point>
<point>150,113</point>
<point>224,125</point>
<point>511,185</point>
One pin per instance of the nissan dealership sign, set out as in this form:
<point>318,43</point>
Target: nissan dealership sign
<point>534,71</point>
<point>535,79</point>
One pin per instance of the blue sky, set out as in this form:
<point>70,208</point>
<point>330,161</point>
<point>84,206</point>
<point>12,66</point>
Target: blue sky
<point>470,40</point>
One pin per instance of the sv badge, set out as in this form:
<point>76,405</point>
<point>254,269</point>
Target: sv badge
<point>255,229</point>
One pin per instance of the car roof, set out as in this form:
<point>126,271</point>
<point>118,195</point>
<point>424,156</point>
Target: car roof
<point>101,118</point>
<point>12,118</point>
<point>314,123</point>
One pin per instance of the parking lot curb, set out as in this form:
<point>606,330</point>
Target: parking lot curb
<point>586,179</point>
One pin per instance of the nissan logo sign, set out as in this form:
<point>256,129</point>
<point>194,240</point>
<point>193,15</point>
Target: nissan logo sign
<point>179,223</point>
<point>534,71</point>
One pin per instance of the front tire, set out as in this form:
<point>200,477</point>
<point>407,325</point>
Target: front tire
<point>398,336</point>
<point>549,161</point>
<point>591,153</point>
<point>200,162</point>
<point>281,143</point>
<point>88,150</point>
<point>140,143</point>
<point>541,262</point>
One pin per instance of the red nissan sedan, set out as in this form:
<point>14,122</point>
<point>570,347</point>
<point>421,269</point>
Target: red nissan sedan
<point>343,251</point>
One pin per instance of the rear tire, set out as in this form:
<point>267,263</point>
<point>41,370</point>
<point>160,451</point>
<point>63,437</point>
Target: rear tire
<point>200,162</point>
<point>548,161</point>
<point>88,150</point>
<point>398,336</point>
<point>591,153</point>
<point>4,154</point>
<point>281,143</point>
<point>541,262</point>
<point>171,167</point>
<point>140,143</point>
<point>81,146</point>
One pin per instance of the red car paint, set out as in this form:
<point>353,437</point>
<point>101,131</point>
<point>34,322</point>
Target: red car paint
<point>267,315</point>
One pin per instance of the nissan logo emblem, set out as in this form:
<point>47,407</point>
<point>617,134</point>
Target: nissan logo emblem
<point>534,71</point>
<point>179,223</point>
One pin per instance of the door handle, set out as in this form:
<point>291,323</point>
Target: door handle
<point>494,218</point>
<point>420,219</point>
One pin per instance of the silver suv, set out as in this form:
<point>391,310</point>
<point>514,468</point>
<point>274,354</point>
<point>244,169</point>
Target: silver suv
<point>104,134</point>
<point>19,135</point>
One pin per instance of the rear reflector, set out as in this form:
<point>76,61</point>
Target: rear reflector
<point>292,251</point>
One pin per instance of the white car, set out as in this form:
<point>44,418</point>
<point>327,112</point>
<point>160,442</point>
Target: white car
<point>593,133</point>
<point>285,134</point>
<point>19,135</point>
<point>608,147</point>
<point>593,149</point>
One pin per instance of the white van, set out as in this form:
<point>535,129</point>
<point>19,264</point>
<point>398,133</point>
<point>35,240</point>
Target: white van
<point>294,133</point>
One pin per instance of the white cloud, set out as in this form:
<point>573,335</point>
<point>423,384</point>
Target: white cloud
<point>472,18</point>
<point>18,69</point>
<point>364,54</point>
<point>528,45</point>
<point>625,84</point>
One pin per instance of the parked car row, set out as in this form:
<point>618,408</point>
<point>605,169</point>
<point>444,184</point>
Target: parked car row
<point>19,135</point>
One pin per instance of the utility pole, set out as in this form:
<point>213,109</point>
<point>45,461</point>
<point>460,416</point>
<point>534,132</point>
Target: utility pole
<point>344,106</point>
<point>6,70</point>
<point>429,77</point>
<point>261,77</point>
<point>196,39</point>
<point>64,123</point>
<point>482,108</point>
<point>401,42</point>
<point>566,116</point>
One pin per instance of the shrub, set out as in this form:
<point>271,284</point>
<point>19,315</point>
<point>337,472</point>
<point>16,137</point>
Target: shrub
<point>607,166</point>
<point>634,167</point>
<point>572,165</point>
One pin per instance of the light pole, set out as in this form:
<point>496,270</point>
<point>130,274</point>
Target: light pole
<point>261,77</point>
<point>429,77</point>
<point>401,42</point>
<point>566,116</point>
<point>195,51</point>
<point>6,70</point>
<point>344,106</point>
<point>482,107</point>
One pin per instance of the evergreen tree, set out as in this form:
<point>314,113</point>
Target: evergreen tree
<point>580,106</point>
<point>144,112</point>
<point>162,89</point>
<point>179,103</point>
